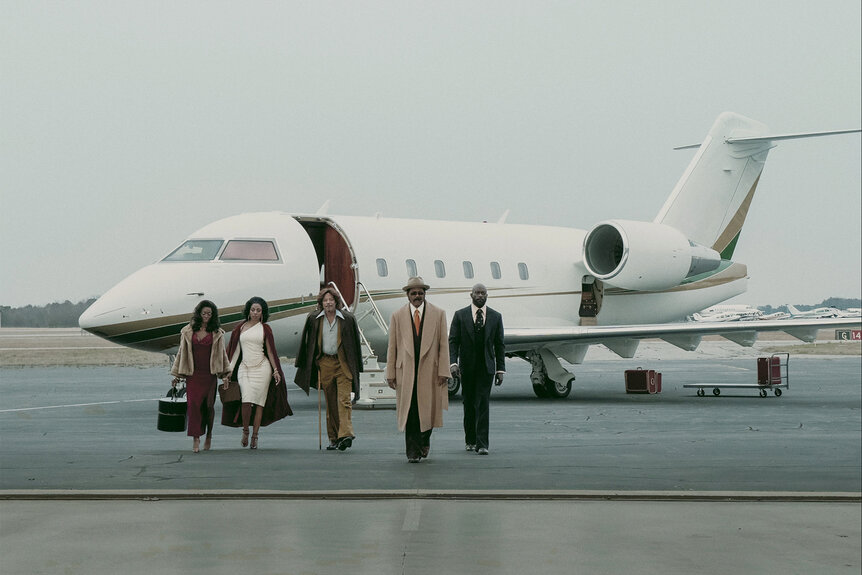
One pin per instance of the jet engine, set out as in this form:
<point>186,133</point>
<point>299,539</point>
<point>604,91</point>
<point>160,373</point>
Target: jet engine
<point>644,256</point>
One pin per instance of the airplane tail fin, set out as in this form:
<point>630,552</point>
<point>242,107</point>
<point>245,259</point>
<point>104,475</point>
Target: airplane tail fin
<point>792,310</point>
<point>710,201</point>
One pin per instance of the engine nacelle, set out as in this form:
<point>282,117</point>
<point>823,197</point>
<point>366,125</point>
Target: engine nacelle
<point>644,255</point>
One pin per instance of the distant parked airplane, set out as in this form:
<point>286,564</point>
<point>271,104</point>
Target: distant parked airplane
<point>728,312</point>
<point>822,312</point>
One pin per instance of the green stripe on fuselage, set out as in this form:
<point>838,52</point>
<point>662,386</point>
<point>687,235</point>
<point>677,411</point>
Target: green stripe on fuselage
<point>132,338</point>
<point>727,252</point>
<point>696,278</point>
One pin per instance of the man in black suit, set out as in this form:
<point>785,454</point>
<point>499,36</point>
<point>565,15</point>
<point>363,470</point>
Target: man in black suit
<point>478,358</point>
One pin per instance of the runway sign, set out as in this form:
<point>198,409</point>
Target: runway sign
<point>848,334</point>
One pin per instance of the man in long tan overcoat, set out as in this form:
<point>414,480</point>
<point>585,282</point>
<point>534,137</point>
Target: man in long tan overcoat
<point>417,368</point>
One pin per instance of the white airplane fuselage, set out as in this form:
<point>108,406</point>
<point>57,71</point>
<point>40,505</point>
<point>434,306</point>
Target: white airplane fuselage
<point>540,272</point>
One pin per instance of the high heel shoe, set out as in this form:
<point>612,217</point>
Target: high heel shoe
<point>208,443</point>
<point>254,441</point>
<point>244,441</point>
<point>196,445</point>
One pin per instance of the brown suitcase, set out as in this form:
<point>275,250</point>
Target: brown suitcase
<point>637,380</point>
<point>643,381</point>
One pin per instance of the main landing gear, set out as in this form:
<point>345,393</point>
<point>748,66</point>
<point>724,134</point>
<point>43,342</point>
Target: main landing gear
<point>548,377</point>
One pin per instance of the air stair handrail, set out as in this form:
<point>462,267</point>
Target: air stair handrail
<point>381,321</point>
<point>365,341</point>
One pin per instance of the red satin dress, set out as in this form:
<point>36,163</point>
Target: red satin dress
<point>201,388</point>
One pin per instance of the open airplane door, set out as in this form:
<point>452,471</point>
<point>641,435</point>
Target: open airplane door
<point>335,256</point>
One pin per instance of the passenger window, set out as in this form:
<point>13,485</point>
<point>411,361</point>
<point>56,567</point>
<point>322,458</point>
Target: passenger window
<point>495,271</point>
<point>382,268</point>
<point>252,250</point>
<point>468,270</point>
<point>195,251</point>
<point>523,272</point>
<point>411,269</point>
<point>439,269</point>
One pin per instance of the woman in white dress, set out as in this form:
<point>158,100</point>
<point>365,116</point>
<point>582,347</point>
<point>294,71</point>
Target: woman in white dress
<point>254,363</point>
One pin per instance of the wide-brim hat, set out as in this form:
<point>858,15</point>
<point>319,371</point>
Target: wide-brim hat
<point>416,282</point>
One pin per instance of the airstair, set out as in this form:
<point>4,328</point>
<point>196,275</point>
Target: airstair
<point>374,392</point>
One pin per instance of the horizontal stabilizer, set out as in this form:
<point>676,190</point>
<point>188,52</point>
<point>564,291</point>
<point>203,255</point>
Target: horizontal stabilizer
<point>789,136</point>
<point>755,139</point>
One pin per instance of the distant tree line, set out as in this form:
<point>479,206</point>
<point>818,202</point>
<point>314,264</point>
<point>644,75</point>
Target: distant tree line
<point>836,302</point>
<point>64,314</point>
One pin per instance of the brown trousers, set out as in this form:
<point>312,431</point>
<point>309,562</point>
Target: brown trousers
<point>336,386</point>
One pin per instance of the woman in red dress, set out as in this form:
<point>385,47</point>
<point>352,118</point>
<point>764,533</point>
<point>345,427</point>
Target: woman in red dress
<point>201,360</point>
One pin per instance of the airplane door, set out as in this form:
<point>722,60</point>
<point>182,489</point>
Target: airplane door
<point>334,256</point>
<point>338,265</point>
<point>592,292</point>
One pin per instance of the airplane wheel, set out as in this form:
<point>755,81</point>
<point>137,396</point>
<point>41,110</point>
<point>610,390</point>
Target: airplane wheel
<point>777,392</point>
<point>762,393</point>
<point>558,390</point>
<point>700,392</point>
<point>716,392</point>
<point>540,390</point>
<point>454,386</point>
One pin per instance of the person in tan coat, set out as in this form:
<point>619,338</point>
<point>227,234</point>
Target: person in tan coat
<point>417,368</point>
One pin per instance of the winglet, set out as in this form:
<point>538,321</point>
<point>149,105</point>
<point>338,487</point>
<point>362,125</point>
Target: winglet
<point>323,210</point>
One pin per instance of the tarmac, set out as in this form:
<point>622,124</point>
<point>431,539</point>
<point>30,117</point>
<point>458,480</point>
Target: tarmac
<point>600,482</point>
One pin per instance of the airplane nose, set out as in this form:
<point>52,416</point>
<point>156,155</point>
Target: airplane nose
<point>139,312</point>
<point>99,315</point>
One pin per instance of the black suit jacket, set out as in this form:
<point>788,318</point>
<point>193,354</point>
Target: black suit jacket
<point>461,340</point>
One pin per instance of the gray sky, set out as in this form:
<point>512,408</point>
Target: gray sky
<point>125,126</point>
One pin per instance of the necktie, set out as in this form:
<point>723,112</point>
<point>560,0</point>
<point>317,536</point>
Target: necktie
<point>479,321</point>
<point>416,321</point>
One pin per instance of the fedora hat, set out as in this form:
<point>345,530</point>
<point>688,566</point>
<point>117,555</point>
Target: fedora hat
<point>416,282</point>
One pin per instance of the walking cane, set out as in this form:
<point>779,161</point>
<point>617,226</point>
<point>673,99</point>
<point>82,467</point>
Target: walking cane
<point>319,424</point>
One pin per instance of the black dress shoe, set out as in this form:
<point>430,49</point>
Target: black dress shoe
<point>413,459</point>
<point>344,443</point>
<point>333,445</point>
<point>425,451</point>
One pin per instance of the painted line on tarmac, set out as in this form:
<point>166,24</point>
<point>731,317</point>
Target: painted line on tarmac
<point>411,516</point>
<point>74,405</point>
<point>60,348</point>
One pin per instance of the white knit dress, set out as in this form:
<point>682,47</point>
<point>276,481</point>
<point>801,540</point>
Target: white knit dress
<point>255,370</point>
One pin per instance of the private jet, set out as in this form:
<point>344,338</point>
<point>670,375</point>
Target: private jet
<point>560,290</point>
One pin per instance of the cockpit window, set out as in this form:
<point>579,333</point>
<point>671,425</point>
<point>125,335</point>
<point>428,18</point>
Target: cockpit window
<point>257,250</point>
<point>195,251</point>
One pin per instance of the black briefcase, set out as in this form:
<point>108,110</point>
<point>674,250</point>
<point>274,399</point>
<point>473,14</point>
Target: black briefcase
<point>172,411</point>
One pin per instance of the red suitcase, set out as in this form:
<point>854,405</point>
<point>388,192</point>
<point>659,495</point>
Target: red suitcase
<point>655,383</point>
<point>768,370</point>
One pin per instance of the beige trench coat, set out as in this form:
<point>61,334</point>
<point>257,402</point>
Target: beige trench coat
<point>433,363</point>
<point>184,362</point>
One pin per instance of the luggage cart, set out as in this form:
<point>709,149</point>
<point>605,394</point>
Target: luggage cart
<point>772,373</point>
